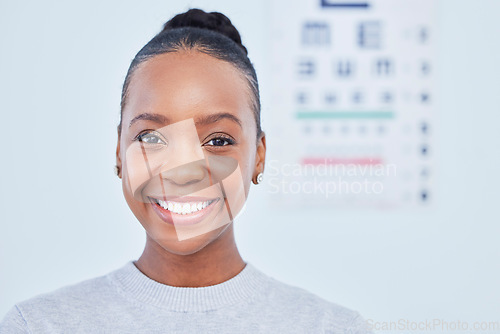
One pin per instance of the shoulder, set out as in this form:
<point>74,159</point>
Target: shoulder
<point>13,322</point>
<point>84,292</point>
<point>308,307</point>
<point>63,303</point>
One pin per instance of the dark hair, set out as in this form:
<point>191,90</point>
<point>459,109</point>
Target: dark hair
<point>209,33</point>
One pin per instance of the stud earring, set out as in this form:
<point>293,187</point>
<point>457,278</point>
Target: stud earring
<point>259,178</point>
<point>117,170</point>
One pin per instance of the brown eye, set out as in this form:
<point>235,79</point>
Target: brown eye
<point>219,141</point>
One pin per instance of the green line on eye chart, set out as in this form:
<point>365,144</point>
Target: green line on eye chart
<point>344,114</point>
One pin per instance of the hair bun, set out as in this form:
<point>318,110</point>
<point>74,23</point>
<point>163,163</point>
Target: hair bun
<point>198,18</point>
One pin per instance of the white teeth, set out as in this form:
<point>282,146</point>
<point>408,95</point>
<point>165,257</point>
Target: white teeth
<point>177,208</point>
<point>163,204</point>
<point>183,208</point>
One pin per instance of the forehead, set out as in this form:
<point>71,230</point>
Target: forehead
<point>185,85</point>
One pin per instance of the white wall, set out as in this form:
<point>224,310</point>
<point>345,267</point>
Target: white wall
<point>63,217</point>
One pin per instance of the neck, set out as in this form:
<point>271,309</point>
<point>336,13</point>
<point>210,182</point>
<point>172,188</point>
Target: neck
<point>213,264</point>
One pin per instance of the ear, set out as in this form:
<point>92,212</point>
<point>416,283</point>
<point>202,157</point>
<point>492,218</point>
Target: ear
<point>260,157</point>
<point>118,157</point>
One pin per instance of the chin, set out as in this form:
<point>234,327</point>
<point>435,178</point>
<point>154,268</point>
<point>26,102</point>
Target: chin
<point>189,246</point>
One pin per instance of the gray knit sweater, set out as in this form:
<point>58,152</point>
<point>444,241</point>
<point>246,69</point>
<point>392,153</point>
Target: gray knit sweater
<point>127,301</point>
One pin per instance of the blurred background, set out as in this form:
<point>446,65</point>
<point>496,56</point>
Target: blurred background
<point>427,249</point>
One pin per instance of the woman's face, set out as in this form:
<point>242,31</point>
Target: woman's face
<point>187,149</point>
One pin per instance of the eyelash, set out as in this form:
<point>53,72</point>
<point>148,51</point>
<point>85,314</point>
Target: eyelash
<point>224,137</point>
<point>142,134</point>
<point>228,139</point>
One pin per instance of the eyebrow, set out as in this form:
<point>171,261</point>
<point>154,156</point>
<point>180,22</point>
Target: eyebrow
<point>204,120</point>
<point>212,118</point>
<point>157,118</point>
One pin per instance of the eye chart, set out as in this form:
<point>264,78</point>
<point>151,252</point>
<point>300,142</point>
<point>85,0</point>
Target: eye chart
<point>353,103</point>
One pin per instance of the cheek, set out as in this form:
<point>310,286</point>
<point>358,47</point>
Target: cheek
<point>137,206</point>
<point>134,174</point>
<point>226,173</point>
<point>247,164</point>
<point>135,171</point>
<point>236,191</point>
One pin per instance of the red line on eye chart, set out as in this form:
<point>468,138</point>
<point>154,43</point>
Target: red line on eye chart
<point>340,161</point>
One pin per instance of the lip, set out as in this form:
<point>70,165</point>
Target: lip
<point>183,220</point>
<point>181,199</point>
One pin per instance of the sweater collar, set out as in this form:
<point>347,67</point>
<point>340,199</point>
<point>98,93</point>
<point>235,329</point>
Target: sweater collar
<point>240,288</point>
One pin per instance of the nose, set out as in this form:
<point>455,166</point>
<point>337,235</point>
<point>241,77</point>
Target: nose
<point>186,174</point>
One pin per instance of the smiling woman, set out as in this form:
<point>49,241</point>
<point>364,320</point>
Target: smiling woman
<point>189,146</point>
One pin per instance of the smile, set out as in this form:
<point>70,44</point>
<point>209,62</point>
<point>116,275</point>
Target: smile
<point>182,208</point>
<point>185,210</point>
